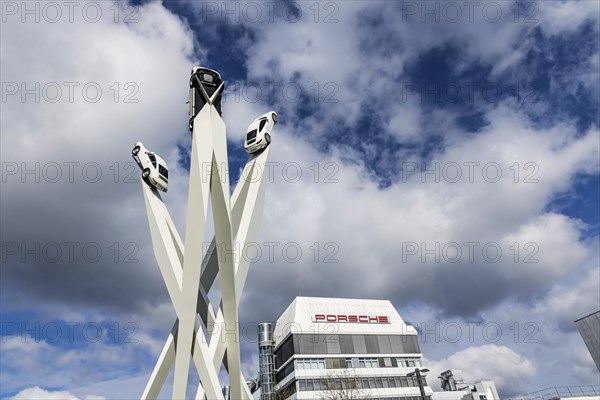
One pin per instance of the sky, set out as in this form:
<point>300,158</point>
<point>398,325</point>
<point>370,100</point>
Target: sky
<point>442,155</point>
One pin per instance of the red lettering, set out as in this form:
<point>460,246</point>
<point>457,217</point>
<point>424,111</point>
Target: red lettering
<point>363,319</point>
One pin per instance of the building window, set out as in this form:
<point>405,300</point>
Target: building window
<point>368,363</point>
<point>310,363</point>
<point>285,371</point>
<point>348,363</point>
<point>284,351</point>
<point>408,362</point>
<point>372,383</point>
<point>319,384</point>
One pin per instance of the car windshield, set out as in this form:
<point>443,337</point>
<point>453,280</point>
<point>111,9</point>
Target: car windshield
<point>207,78</point>
<point>163,171</point>
<point>262,124</point>
<point>251,135</point>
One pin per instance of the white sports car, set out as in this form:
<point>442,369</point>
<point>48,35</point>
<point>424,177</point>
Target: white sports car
<point>154,169</point>
<point>259,132</point>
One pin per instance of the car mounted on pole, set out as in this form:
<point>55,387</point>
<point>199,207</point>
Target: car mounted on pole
<point>155,171</point>
<point>206,86</point>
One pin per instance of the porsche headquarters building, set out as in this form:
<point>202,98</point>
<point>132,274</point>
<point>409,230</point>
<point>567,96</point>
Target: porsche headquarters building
<point>361,347</point>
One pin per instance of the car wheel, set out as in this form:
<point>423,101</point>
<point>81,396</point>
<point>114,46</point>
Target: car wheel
<point>268,138</point>
<point>274,116</point>
<point>135,150</point>
<point>146,173</point>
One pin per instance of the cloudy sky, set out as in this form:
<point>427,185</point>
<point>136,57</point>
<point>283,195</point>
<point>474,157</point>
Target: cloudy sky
<point>441,155</point>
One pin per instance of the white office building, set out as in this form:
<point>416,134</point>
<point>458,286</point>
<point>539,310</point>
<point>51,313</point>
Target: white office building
<point>346,348</point>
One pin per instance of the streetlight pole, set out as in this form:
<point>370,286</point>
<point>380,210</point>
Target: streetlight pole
<point>418,375</point>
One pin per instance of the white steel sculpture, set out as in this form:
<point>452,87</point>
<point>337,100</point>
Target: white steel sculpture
<point>189,274</point>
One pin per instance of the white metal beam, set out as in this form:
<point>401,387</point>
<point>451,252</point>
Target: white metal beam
<point>169,251</point>
<point>197,210</point>
<point>189,277</point>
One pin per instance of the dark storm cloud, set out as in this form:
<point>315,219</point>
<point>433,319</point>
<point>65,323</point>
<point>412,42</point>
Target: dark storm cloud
<point>60,243</point>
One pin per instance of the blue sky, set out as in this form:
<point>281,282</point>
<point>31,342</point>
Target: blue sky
<point>380,105</point>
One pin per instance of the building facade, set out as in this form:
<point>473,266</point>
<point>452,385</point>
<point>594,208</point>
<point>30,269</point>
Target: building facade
<point>589,328</point>
<point>344,348</point>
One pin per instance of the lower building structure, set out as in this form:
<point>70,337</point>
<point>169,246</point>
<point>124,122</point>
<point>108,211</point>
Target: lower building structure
<point>347,348</point>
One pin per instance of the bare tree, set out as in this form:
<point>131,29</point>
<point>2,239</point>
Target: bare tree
<point>284,393</point>
<point>345,385</point>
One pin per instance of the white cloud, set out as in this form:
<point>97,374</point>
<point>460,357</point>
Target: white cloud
<point>152,55</point>
<point>405,123</point>
<point>508,369</point>
<point>36,393</point>
<point>566,302</point>
<point>26,359</point>
<point>558,17</point>
<point>359,216</point>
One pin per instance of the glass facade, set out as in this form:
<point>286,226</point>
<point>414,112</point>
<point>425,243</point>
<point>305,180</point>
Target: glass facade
<point>305,344</point>
<point>346,363</point>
